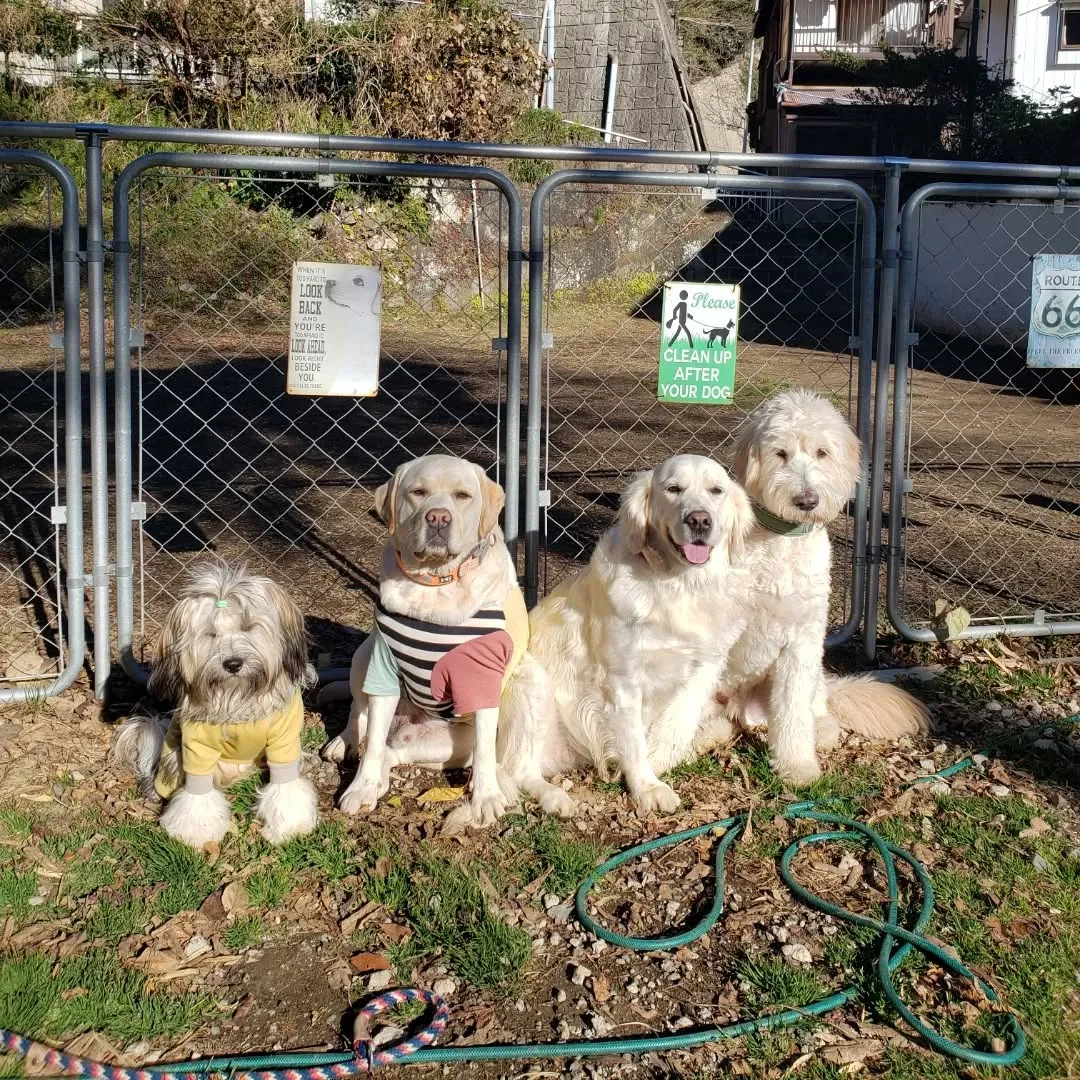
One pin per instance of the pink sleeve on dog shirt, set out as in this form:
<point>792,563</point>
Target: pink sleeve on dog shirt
<point>471,675</point>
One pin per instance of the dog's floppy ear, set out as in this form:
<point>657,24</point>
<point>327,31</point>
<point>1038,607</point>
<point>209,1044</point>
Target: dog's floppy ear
<point>386,500</point>
<point>741,522</point>
<point>634,512</point>
<point>294,639</point>
<point>493,498</point>
<point>166,682</point>
<point>747,463</point>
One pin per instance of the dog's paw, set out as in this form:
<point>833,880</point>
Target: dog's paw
<point>656,797</point>
<point>827,732</point>
<point>287,810</point>
<point>197,820</point>
<point>338,750</point>
<point>362,796</point>
<point>487,809</point>
<point>798,773</point>
<point>555,801</point>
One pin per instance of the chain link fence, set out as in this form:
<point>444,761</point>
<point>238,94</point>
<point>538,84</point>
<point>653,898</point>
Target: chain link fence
<point>985,514</point>
<point>799,261</point>
<point>41,632</point>
<point>225,462</point>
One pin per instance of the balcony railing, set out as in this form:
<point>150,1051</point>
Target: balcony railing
<point>859,27</point>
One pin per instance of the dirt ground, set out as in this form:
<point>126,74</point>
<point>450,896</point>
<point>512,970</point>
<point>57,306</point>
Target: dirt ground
<point>245,949</point>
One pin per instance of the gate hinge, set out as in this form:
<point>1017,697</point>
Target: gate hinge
<point>103,573</point>
<point>854,343</point>
<point>547,341</point>
<point>136,339</point>
<point>907,485</point>
<point>138,511</point>
<point>498,344</point>
<point>544,500</point>
<point>56,340</point>
<point>59,515</point>
<point>911,340</point>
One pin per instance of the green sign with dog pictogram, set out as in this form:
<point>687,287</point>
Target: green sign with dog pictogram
<point>698,335</point>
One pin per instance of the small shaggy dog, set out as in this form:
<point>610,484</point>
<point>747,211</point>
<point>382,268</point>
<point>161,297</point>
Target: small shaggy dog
<point>231,662</point>
<point>624,657</point>
<point>799,461</point>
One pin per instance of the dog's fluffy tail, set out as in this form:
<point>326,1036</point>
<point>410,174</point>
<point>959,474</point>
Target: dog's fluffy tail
<point>139,745</point>
<point>877,710</point>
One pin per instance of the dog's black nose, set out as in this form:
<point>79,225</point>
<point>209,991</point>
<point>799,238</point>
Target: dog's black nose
<point>232,665</point>
<point>698,520</point>
<point>437,519</point>
<point>807,500</point>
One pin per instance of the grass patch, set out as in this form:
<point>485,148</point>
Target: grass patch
<point>705,767</point>
<point>329,850</point>
<point>267,888</point>
<point>242,793</point>
<point>111,921</point>
<point>449,913</point>
<point>312,738</point>
<point>245,933</point>
<point>569,858</point>
<point>16,889</point>
<point>92,992</point>
<point>772,983</point>
<point>15,824</point>
<point>980,682</point>
<point>61,845</point>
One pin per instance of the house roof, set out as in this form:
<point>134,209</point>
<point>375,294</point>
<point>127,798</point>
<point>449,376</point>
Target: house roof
<point>822,95</point>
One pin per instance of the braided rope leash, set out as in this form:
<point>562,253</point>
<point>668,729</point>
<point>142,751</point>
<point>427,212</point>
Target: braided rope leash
<point>363,1059</point>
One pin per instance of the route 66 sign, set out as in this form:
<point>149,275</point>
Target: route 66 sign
<point>1054,329</point>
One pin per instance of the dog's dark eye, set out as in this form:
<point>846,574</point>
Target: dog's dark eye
<point>462,496</point>
<point>673,489</point>
<point>716,491</point>
<point>782,455</point>
<point>823,453</point>
<point>420,493</point>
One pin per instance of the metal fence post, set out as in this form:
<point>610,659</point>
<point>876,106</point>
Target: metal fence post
<point>99,436</point>
<point>886,311</point>
<point>535,402</point>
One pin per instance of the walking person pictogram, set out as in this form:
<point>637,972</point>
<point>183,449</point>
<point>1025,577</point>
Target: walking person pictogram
<point>679,312</point>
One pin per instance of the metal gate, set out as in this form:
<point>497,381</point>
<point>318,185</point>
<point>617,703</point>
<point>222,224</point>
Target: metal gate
<point>41,479</point>
<point>985,450</point>
<point>803,252</point>
<point>213,456</point>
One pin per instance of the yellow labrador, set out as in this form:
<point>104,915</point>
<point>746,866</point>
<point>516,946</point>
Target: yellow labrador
<point>450,626</point>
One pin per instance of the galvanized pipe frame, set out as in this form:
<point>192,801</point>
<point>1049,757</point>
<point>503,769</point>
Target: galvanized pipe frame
<point>122,339</point>
<point>71,612</point>
<point>903,343</point>
<point>807,187</point>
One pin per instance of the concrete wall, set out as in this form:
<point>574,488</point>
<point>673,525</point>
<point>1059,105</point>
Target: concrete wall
<point>974,275</point>
<point>647,101</point>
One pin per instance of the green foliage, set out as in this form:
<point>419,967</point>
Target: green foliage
<point>942,104</point>
<point>714,33</point>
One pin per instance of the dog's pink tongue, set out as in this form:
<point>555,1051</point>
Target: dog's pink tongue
<point>696,553</point>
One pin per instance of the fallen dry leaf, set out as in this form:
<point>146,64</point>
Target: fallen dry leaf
<point>441,795</point>
<point>94,1046</point>
<point>601,988</point>
<point>1037,828</point>
<point>395,933</point>
<point>213,908</point>
<point>351,923</point>
<point>365,962</point>
<point>234,898</point>
<point>846,1053</point>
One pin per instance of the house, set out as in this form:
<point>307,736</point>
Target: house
<point>817,61</point>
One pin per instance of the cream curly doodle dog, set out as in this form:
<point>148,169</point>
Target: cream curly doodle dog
<point>232,661</point>
<point>450,627</point>
<point>799,461</point>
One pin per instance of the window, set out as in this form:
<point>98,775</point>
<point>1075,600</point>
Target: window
<point>1070,28</point>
